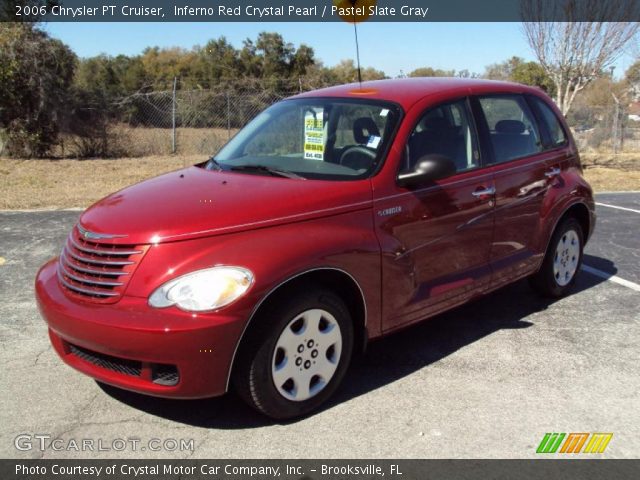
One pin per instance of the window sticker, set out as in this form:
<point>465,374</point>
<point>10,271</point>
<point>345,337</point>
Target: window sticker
<point>373,142</point>
<point>384,112</point>
<point>313,135</point>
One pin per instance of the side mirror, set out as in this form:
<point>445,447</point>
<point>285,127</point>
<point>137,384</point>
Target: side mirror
<point>430,167</point>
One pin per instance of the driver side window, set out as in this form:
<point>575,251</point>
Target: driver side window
<point>444,130</point>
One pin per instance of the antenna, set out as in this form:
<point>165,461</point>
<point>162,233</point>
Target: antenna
<point>348,11</point>
<point>355,30</point>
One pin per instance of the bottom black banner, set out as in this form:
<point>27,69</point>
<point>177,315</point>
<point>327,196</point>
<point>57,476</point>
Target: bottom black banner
<point>319,469</point>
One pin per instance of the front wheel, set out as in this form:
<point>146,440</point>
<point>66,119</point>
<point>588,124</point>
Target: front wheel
<point>296,355</point>
<point>562,261</point>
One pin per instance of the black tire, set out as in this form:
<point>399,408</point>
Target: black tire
<point>546,281</point>
<point>252,376</point>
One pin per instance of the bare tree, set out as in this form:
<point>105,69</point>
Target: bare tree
<point>574,52</point>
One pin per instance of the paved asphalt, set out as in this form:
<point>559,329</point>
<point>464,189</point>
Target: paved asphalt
<point>484,381</point>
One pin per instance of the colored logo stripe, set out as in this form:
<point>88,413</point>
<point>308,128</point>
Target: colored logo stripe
<point>574,442</point>
<point>550,443</point>
<point>598,442</point>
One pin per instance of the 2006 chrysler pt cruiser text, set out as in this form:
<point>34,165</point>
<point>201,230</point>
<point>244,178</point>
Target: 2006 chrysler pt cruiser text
<point>334,217</point>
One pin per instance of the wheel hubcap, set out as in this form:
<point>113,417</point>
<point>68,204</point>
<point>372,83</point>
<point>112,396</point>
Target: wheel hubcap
<point>565,261</point>
<point>307,354</point>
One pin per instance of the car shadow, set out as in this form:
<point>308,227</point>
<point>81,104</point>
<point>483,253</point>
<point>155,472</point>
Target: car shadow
<point>604,265</point>
<point>386,360</point>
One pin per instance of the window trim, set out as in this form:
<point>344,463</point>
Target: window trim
<point>474,131</point>
<point>482,120</point>
<point>543,127</point>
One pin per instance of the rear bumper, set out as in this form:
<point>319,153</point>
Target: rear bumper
<point>103,341</point>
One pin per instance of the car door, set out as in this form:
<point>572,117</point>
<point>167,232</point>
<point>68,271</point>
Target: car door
<point>522,175</point>
<point>436,238</point>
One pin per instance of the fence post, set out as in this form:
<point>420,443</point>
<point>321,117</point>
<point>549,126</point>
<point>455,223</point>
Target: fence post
<point>173,116</point>
<point>228,116</point>
<point>614,126</point>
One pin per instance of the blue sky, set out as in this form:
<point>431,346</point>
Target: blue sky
<point>390,47</point>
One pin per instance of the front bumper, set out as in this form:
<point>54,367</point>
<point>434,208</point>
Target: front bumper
<point>128,343</point>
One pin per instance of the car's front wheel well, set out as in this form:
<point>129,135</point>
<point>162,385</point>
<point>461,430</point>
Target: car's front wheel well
<point>337,281</point>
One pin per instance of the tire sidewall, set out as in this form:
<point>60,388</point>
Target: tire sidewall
<point>264,390</point>
<point>555,288</point>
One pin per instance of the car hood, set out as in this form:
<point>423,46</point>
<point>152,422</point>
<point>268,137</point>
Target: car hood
<point>194,202</point>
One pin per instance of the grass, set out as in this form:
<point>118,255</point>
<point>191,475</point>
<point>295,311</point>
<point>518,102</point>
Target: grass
<point>56,184</point>
<point>52,184</point>
<point>618,161</point>
<point>144,142</point>
<point>603,179</point>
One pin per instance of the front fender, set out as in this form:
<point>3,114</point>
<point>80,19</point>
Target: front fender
<point>345,242</point>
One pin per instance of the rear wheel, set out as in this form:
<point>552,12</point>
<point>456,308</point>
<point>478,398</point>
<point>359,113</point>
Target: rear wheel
<point>297,355</point>
<point>562,261</point>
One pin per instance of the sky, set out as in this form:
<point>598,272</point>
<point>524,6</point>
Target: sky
<point>390,47</point>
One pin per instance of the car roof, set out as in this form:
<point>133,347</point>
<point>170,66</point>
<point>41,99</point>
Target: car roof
<point>407,91</point>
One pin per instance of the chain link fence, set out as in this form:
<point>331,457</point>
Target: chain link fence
<point>605,129</point>
<point>183,122</point>
<point>199,122</point>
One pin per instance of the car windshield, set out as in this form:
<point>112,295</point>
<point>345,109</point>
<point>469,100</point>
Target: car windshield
<point>314,138</point>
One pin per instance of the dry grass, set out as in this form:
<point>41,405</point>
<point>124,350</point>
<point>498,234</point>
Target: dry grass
<point>618,161</point>
<point>143,142</point>
<point>604,179</point>
<point>78,183</point>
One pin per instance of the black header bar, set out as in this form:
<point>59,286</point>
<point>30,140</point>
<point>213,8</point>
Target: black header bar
<point>318,10</point>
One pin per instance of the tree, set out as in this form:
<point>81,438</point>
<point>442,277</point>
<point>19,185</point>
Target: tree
<point>632,78</point>
<point>532,73</point>
<point>516,69</point>
<point>8,10</point>
<point>36,74</point>
<point>575,53</point>
<point>217,60</point>
<point>503,70</point>
<point>161,66</point>
<point>303,59</point>
<point>431,72</point>
<point>464,73</point>
<point>347,72</point>
<point>275,55</point>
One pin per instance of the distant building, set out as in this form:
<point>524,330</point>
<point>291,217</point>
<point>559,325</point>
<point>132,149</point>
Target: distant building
<point>634,111</point>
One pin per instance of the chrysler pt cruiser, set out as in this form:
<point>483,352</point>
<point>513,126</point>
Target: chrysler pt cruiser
<point>334,217</point>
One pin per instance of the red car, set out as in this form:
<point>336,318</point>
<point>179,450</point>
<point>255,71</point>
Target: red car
<point>334,217</point>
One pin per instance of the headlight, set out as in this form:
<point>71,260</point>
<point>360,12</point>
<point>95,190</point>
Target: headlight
<point>203,290</point>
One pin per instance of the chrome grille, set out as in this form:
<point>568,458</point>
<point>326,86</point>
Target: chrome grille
<point>96,269</point>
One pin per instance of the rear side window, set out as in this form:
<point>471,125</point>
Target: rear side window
<point>557,136</point>
<point>512,129</point>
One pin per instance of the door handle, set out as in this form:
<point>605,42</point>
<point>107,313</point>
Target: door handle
<point>554,172</point>
<point>485,192</point>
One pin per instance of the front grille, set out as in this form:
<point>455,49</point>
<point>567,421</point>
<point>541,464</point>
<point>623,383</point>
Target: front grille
<point>97,270</point>
<point>158,373</point>
<point>165,375</point>
<point>115,364</point>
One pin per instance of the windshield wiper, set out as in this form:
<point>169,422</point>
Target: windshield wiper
<point>276,172</point>
<point>213,164</point>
